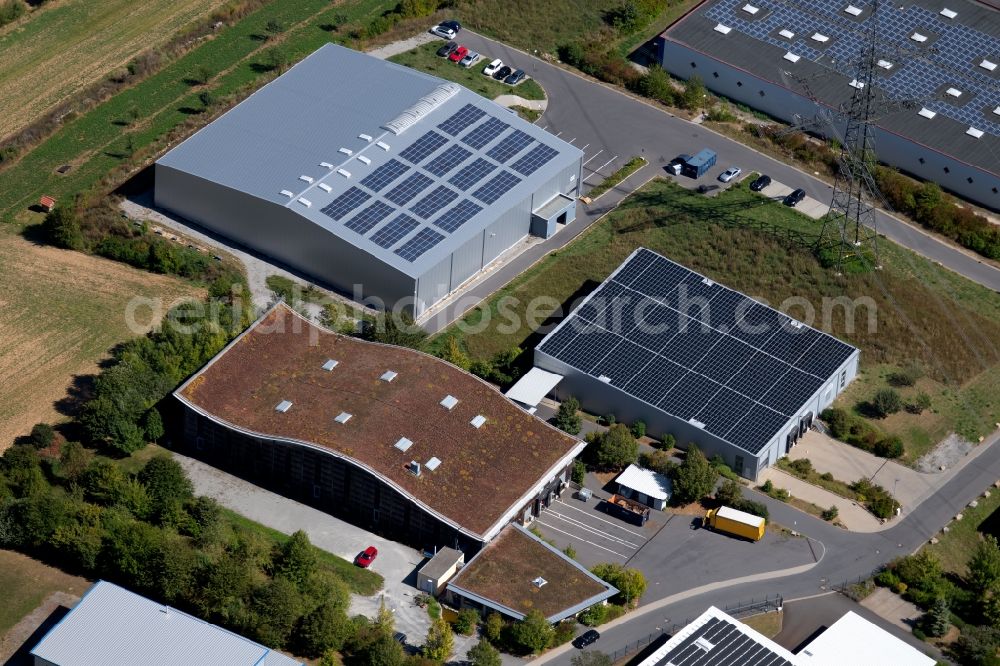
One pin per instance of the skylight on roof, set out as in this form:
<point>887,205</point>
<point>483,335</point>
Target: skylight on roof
<point>326,165</point>
<point>365,137</point>
<point>852,10</point>
<point>750,9</point>
<point>449,402</point>
<point>478,421</point>
<point>364,160</point>
<point>346,151</point>
<point>388,375</point>
<point>539,582</point>
<point>343,417</point>
<point>917,37</point>
<point>403,444</point>
<point>786,33</point>
<point>605,379</point>
<point>307,179</point>
<point>383,145</point>
<point>283,406</point>
<point>330,364</point>
<point>926,113</point>
<point>884,64</point>
<point>724,29</point>
<point>325,187</point>
<point>696,423</point>
<point>704,644</point>
<point>791,57</point>
<point>305,202</point>
<point>948,13</point>
<point>856,84</point>
<point>988,65</point>
<point>819,37</point>
<point>997,110</point>
<point>972,131</point>
<point>432,464</point>
<point>954,92</point>
<point>344,172</point>
<point>288,193</point>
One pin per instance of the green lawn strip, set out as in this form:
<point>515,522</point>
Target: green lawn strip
<point>618,176</point>
<point>835,486</point>
<point>425,59</point>
<point>360,581</point>
<point>673,10</point>
<point>531,115</point>
<point>955,546</point>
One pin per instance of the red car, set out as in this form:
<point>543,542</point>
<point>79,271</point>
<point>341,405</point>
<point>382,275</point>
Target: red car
<point>458,54</point>
<point>366,557</point>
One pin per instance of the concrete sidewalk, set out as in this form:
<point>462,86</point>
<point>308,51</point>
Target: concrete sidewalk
<point>854,517</point>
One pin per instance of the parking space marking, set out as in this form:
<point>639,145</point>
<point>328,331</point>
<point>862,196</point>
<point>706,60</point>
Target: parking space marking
<point>595,545</point>
<point>594,172</point>
<point>593,530</point>
<point>585,147</point>
<point>588,513</point>
<point>571,140</point>
<point>595,155</point>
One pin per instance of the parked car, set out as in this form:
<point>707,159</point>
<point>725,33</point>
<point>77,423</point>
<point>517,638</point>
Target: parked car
<point>458,54</point>
<point>447,49</point>
<point>586,638</point>
<point>492,68</point>
<point>584,494</point>
<point>795,197</point>
<point>470,58</point>
<point>760,182</point>
<point>729,174</point>
<point>502,73</point>
<point>515,78</point>
<point>366,557</point>
<point>452,24</point>
<point>446,30</point>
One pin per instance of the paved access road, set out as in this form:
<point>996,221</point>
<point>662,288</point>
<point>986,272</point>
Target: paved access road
<point>611,127</point>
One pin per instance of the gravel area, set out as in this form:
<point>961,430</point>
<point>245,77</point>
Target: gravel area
<point>946,454</point>
<point>404,45</point>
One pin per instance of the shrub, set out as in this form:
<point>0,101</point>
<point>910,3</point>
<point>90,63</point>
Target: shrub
<point>767,487</point>
<point>729,493</point>
<point>830,514</point>
<point>656,84</point>
<point>826,476</point>
<point>920,403</point>
<point>533,633</point>
<point>907,376</point>
<point>694,95</point>
<point>631,583</point>
<point>666,443</point>
<point>658,461</point>
<point>466,621</point>
<point>493,626</point>
<point>887,578</point>
<point>886,402</point>
<point>613,449</point>
<point>483,654</point>
<point>62,228</point>
<point>890,447</point>
<point>639,429</point>
<point>564,632</point>
<point>593,616</point>
<point>567,418</point>
<point>755,508</point>
<point>803,466</point>
<point>579,473</point>
<point>11,10</point>
<point>42,435</point>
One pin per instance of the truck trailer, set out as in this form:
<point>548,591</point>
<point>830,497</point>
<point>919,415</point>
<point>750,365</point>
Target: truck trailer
<point>737,523</point>
<point>697,166</point>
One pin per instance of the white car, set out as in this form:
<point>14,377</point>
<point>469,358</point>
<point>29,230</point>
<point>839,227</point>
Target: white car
<point>729,174</point>
<point>470,59</point>
<point>492,68</point>
<point>445,31</point>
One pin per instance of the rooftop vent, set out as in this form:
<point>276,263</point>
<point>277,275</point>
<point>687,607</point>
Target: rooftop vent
<point>696,423</point>
<point>346,151</point>
<point>478,421</point>
<point>947,13</point>
<point>305,202</point>
<point>917,37</point>
<point>795,324</point>
<point>343,417</point>
<point>852,10</point>
<point>539,582</point>
<point>449,402</point>
<point>819,37</point>
<point>388,376</point>
<point>283,406</point>
<point>414,468</point>
<point>856,84</point>
<point>997,111</point>
<point>383,145</point>
<point>325,187</point>
<point>422,107</point>
<point>708,283</point>
<point>884,64</point>
<point>605,379</point>
<point>954,92</point>
<point>288,193</point>
<point>724,29</point>
<point>704,644</point>
<point>344,172</point>
<point>326,165</point>
<point>364,160</point>
<point>987,65</point>
<point>926,113</point>
<point>972,131</point>
<point>365,137</point>
<point>433,464</point>
<point>307,179</point>
<point>403,444</point>
<point>750,9</point>
<point>786,33</point>
<point>330,364</point>
<point>791,57</point>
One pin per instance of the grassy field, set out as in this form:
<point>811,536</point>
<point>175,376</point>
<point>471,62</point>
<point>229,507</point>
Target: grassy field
<point>768,624</point>
<point>921,312</point>
<point>26,583</point>
<point>955,546</point>
<point>425,58</point>
<point>63,47</point>
<point>60,312</point>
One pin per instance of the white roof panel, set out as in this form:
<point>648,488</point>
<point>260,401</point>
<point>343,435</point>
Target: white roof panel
<point>740,516</point>
<point>532,387</point>
<point>645,481</point>
<point>854,640</point>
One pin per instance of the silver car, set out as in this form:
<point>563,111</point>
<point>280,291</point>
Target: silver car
<point>470,58</point>
<point>729,174</point>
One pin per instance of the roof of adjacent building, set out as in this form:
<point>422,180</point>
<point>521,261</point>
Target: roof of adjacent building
<point>401,164</point>
<point>518,572</point>
<point>854,641</point>
<point>960,51</point>
<point>697,350</point>
<point>392,404</point>
<point>533,386</point>
<point>645,481</point>
<point>716,639</point>
<point>442,562</point>
<point>111,625</point>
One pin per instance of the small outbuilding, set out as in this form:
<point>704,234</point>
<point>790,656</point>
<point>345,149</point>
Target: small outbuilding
<point>46,203</point>
<point>432,577</point>
<point>644,486</point>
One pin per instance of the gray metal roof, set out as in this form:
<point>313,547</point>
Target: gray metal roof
<point>303,119</point>
<point>957,46</point>
<point>716,639</point>
<point>113,626</point>
<point>442,562</point>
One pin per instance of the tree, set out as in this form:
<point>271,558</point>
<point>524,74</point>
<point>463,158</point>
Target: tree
<point>568,417</point>
<point>533,633</point>
<point>62,228</point>
<point>152,425</point>
<point>694,478</point>
<point>440,641</point>
<point>324,628</point>
<point>42,435</point>
<point>384,618</point>
<point>383,651</point>
<point>102,481</point>
<point>395,328</point>
<point>483,654</point>
<point>166,482</point>
<point>889,447</point>
<point>612,449</point>
<point>936,620</point>
<point>658,461</point>
<point>631,583</point>
<point>579,473</point>
<point>296,559</point>
<point>493,626</point>
<point>591,658</point>
<point>73,460</point>
<point>886,401</point>
<point>276,606</point>
<point>693,97</point>
<point>639,429</point>
<point>466,621</point>
<point>977,646</point>
<point>656,84</point>
<point>729,493</point>
<point>984,566</point>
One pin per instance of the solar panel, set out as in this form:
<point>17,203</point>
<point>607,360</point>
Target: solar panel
<point>462,118</point>
<point>439,197</point>
<point>390,234</point>
<point>447,160</point>
<point>423,147</point>
<point>409,188</point>
<point>425,239</point>
<point>689,396</point>
<point>464,211</point>
<point>483,134</point>
<point>370,217</point>
<point>385,174</point>
<point>498,186</point>
<point>345,203</point>
<point>472,174</point>
<point>535,159</point>
<point>509,146</point>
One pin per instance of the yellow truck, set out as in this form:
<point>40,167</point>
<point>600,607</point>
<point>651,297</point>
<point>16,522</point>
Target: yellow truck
<point>737,523</point>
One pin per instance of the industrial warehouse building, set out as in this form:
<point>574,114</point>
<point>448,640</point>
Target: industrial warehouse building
<point>387,184</point>
<point>661,344</point>
<point>758,52</point>
<point>387,438</point>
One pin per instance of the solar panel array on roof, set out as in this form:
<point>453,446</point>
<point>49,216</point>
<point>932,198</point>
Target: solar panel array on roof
<point>413,185</point>
<point>697,350</point>
<point>472,174</point>
<point>720,643</point>
<point>392,232</point>
<point>447,160</point>
<point>509,146</point>
<point>378,179</point>
<point>424,240</point>
<point>498,186</point>
<point>423,147</point>
<point>345,203</point>
<point>439,197</point>
<point>534,159</point>
<point>370,217</point>
<point>485,133</point>
<point>462,118</point>
<point>457,216</point>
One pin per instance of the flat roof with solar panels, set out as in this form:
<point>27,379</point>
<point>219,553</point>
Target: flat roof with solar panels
<point>400,164</point>
<point>668,339</point>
